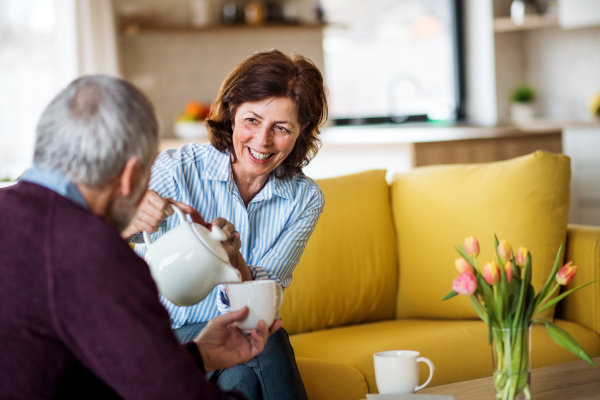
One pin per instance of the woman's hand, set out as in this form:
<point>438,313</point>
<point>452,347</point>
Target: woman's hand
<point>222,344</point>
<point>153,210</point>
<point>232,246</point>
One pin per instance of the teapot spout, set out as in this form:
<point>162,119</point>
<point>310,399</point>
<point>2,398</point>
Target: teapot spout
<point>229,274</point>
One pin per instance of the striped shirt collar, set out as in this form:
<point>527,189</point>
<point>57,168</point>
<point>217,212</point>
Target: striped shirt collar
<point>218,168</point>
<point>55,181</point>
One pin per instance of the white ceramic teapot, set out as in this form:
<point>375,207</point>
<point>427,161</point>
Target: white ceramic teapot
<point>188,261</point>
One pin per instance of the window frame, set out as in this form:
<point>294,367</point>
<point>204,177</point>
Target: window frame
<point>459,82</point>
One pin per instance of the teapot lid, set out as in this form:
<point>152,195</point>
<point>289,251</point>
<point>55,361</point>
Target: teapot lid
<point>212,240</point>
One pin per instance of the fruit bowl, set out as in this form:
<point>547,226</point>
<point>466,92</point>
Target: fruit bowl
<point>191,130</point>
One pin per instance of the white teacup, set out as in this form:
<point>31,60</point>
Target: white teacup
<point>262,297</point>
<point>397,371</point>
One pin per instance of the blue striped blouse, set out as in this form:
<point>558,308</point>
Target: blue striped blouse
<point>274,229</point>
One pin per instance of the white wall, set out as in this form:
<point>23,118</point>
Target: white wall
<point>564,67</point>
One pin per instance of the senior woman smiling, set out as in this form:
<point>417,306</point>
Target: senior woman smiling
<point>263,130</point>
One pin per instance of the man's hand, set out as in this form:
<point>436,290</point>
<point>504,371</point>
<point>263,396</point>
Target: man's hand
<point>222,344</point>
<point>153,210</point>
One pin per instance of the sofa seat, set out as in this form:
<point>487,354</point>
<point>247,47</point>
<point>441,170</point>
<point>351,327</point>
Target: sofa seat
<point>459,349</point>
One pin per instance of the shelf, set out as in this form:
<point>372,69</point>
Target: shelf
<point>133,29</point>
<point>533,22</point>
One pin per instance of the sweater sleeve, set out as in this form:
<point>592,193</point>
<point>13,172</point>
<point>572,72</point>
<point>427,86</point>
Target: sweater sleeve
<point>105,309</point>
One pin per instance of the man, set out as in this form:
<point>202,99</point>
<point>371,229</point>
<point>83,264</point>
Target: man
<point>79,312</point>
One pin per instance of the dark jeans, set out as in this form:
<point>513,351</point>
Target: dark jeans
<point>272,375</point>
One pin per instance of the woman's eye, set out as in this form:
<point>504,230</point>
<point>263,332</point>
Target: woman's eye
<point>281,129</point>
<point>251,120</point>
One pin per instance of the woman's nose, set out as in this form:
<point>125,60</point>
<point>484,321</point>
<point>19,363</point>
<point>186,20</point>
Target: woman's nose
<point>264,135</point>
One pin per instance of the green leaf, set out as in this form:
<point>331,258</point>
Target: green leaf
<point>460,249</point>
<point>564,340</point>
<point>530,303</point>
<point>449,295</point>
<point>549,283</point>
<point>525,283</point>
<point>562,296</point>
<point>479,309</point>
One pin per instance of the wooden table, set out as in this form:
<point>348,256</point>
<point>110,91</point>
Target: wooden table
<point>573,381</point>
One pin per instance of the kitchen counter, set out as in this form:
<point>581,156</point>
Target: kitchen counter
<point>399,148</point>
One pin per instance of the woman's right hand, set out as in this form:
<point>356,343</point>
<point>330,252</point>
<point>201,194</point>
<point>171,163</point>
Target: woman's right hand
<point>153,210</point>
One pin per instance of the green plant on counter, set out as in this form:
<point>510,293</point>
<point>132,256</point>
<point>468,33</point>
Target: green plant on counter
<point>523,94</point>
<point>5,179</point>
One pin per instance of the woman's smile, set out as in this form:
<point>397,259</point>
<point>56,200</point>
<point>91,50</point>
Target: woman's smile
<point>259,157</point>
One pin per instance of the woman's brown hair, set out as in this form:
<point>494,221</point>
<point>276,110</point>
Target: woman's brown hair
<point>273,74</point>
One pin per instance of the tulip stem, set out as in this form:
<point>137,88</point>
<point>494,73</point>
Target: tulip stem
<point>545,299</point>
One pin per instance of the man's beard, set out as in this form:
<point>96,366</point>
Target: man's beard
<point>121,210</point>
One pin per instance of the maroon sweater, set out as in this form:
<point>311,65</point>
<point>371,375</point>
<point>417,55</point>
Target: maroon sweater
<point>79,311</point>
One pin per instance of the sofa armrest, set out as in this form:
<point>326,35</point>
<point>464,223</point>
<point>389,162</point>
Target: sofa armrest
<point>583,306</point>
<point>328,380</point>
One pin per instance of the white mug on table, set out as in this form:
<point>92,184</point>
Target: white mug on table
<point>397,371</point>
<point>263,298</point>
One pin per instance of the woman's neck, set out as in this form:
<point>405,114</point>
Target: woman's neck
<point>248,186</point>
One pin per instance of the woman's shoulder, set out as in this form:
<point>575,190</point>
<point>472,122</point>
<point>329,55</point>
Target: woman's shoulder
<point>190,163</point>
<point>306,188</point>
<point>191,153</point>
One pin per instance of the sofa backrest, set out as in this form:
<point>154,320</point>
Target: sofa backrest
<point>525,201</point>
<point>348,271</point>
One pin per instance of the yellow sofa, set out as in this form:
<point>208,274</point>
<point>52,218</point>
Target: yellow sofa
<point>382,257</point>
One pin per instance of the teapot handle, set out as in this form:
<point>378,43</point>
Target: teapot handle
<point>180,214</point>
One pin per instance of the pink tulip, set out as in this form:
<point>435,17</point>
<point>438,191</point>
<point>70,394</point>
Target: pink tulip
<point>504,250</point>
<point>508,270</point>
<point>491,272</point>
<point>521,256</point>
<point>566,273</point>
<point>463,266</point>
<point>465,284</point>
<point>472,246</point>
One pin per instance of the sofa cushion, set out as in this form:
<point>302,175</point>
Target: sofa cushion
<point>348,272</point>
<point>328,380</point>
<point>524,201</point>
<point>459,349</point>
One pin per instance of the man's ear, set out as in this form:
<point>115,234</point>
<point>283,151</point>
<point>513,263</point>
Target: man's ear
<point>128,175</point>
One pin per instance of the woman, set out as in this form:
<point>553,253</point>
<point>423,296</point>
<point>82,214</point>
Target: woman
<point>263,130</point>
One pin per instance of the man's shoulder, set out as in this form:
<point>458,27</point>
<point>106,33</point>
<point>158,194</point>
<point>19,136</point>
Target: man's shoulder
<point>85,240</point>
<point>25,201</point>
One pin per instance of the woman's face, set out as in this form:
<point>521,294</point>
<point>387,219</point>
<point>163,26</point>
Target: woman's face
<point>264,134</point>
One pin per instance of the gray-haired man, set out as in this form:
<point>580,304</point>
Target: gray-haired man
<point>79,312</point>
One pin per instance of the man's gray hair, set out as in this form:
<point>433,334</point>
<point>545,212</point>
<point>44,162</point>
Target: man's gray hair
<point>90,130</point>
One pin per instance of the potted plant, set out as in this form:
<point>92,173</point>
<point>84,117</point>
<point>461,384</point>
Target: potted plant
<point>521,109</point>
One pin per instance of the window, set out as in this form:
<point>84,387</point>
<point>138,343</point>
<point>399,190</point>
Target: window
<point>27,77</point>
<point>392,60</point>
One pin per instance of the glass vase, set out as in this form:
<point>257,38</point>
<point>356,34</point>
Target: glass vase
<point>511,355</point>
